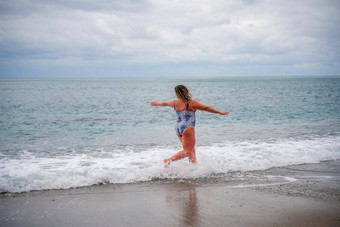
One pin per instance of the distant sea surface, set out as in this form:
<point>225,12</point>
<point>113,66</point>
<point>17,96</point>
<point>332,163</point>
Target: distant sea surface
<point>66,133</point>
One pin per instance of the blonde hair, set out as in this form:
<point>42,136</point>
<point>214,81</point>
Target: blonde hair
<point>183,94</point>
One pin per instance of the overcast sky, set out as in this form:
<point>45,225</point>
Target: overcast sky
<point>140,38</point>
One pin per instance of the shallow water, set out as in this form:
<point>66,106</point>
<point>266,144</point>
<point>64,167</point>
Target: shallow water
<point>67,133</point>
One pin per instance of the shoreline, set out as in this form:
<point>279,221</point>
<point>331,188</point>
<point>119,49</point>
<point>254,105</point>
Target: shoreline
<point>297,195</point>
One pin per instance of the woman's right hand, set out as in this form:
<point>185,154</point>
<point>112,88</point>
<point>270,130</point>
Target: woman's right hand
<point>153,103</point>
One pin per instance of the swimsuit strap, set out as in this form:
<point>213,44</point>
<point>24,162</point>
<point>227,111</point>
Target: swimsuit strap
<point>174,105</point>
<point>187,106</point>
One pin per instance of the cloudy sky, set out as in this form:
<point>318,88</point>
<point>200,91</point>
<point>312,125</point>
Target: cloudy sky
<point>140,38</point>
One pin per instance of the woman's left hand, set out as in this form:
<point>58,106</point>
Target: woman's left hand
<point>224,112</point>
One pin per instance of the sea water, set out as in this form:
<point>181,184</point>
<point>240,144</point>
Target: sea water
<point>66,133</point>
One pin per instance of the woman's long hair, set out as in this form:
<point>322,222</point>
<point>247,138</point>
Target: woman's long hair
<point>183,94</point>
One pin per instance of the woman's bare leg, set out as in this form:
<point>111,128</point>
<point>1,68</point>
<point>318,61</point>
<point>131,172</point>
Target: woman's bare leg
<point>188,141</point>
<point>192,156</point>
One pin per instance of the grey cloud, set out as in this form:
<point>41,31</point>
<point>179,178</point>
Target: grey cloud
<point>34,6</point>
<point>102,5</point>
<point>170,32</point>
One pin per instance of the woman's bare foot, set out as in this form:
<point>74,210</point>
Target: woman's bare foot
<point>166,163</point>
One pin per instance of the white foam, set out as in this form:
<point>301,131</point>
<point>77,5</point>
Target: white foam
<point>76,170</point>
<point>283,180</point>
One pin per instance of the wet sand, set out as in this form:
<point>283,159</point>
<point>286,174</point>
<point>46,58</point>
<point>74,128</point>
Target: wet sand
<point>300,195</point>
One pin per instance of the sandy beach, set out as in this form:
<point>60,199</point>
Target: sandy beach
<point>299,195</point>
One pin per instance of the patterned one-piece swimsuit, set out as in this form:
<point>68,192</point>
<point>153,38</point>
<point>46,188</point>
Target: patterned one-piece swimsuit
<point>185,119</point>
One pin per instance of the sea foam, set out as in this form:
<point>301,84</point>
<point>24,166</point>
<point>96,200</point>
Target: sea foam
<point>135,165</point>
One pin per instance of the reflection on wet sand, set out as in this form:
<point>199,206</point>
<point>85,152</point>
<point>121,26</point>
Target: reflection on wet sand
<point>184,203</point>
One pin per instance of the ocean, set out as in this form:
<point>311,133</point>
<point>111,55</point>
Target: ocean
<point>68,133</point>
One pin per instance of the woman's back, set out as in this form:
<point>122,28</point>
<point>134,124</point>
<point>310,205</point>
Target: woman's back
<point>181,106</point>
<point>185,118</point>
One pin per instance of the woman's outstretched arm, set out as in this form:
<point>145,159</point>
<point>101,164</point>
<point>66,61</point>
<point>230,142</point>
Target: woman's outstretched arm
<point>167,103</point>
<point>200,106</point>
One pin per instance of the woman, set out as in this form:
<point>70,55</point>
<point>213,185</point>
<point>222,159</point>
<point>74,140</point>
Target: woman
<point>185,108</point>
